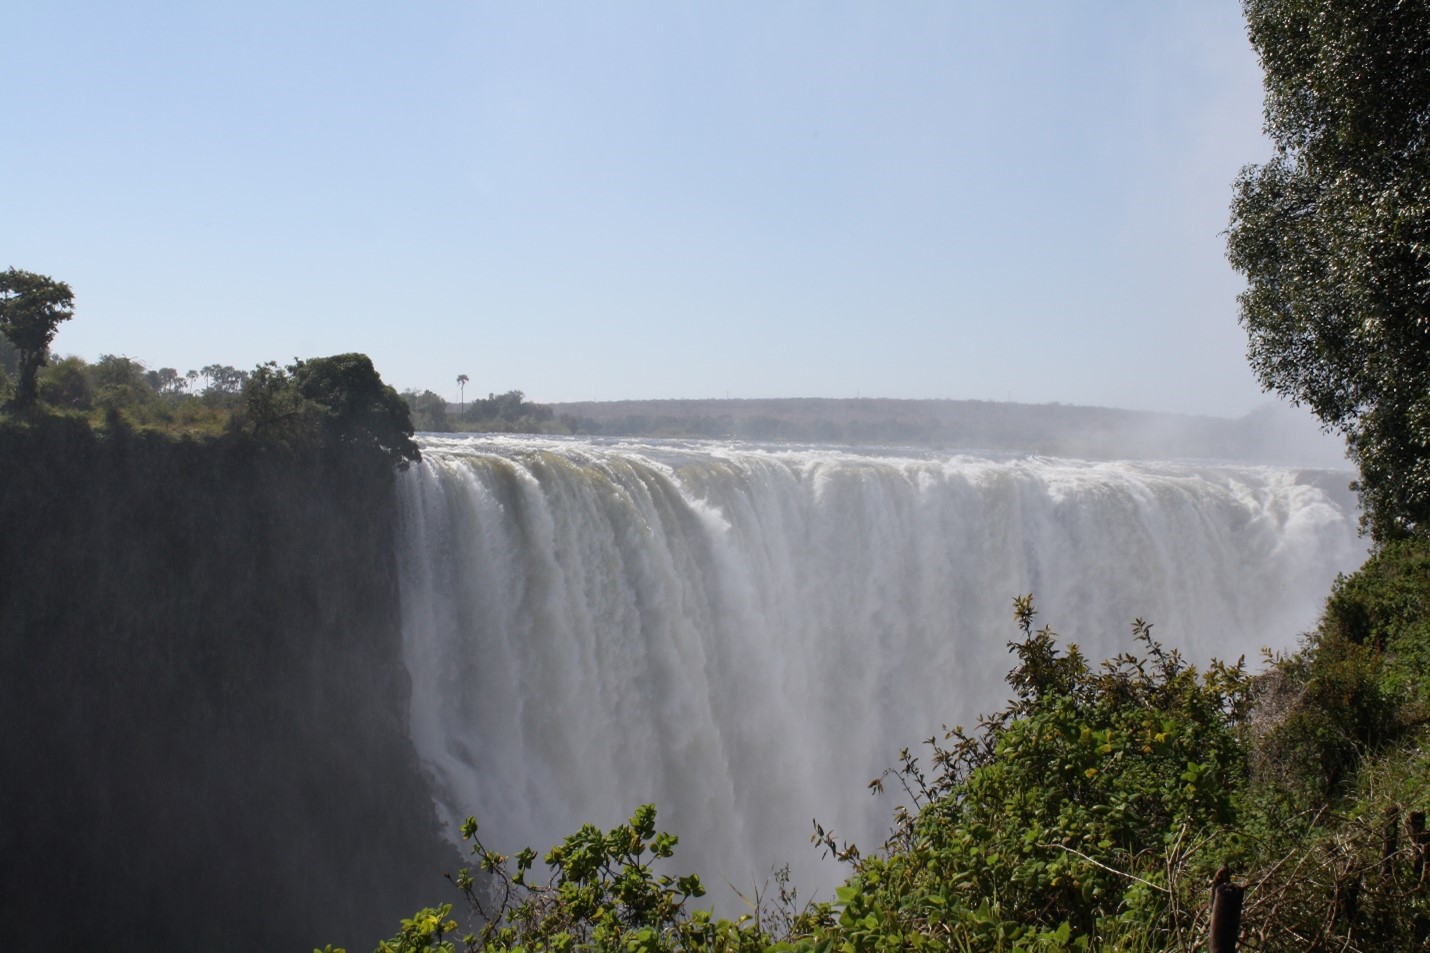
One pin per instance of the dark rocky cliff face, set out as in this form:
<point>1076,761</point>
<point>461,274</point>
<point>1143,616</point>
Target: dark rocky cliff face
<point>203,740</point>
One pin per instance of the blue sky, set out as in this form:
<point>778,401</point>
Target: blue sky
<point>647,198</point>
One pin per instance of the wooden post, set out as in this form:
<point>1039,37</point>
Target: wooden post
<point>1226,913</point>
<point>1347,902</point>
<point>1389,843</point>
<point>1421,840</point>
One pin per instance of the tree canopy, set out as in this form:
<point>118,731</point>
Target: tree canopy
<point>357,407</point>
<point>31,309</point>
<point>340,399</point>
<point>1333,236</point>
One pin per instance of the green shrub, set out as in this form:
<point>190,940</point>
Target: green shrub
<point>66,383</point>
<point>1082,811</point>
<point>604,893</point>
<point>1385,605</point>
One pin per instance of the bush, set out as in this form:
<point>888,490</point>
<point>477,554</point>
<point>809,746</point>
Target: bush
<point>1385,606</point>
<point>604,893</point>
<point>1091,807</point>
<point>67,384</point>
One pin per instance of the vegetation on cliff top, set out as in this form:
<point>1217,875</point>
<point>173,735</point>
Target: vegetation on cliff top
<point>338,402</point>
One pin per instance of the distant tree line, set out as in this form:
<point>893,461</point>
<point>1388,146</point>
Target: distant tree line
<point>339,399</point>
<point>510,412</point>
<point>163,396</point>
<point>336,403</point>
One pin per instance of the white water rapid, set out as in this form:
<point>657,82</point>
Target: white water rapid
<point>747,635</point>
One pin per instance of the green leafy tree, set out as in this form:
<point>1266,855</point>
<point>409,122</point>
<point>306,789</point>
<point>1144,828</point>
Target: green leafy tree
<point>357,408</point>
<point>1333,235</point>
<point>339,400</point>
<point>272,408</point>
<point>32,308</point>
<point>462,392</point>
<point>121,382</point>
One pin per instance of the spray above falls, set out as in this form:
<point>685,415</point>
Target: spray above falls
<point>745,636</point>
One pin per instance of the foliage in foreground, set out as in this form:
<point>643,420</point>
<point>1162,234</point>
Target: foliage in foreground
<point>1079,816</point>
<point>1090,814</point>
<point>1062,819</point>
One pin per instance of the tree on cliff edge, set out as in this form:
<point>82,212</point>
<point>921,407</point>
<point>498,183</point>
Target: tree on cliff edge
<point>1333,236</point>
<point>356,406</point>
<point>31,309</point>
<point>340,399</point>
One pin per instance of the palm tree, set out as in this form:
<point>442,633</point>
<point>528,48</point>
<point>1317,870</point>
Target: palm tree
<point>462,391</point>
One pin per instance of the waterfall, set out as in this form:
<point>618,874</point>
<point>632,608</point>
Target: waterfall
<point>747,635</point>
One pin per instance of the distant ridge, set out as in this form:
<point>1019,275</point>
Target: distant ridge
<point>1273,434</point>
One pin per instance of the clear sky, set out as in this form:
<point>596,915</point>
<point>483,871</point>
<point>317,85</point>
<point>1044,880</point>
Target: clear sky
<point>646,198</point>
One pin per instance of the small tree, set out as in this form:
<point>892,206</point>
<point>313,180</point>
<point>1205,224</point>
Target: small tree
<point>31,309</point>
<point>462,391</point>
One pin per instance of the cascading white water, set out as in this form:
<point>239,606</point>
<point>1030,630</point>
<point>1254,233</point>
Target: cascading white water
<point>745,636</point>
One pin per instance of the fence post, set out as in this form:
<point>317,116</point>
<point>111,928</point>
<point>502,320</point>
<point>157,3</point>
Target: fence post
<point>1347,902</point>
<point>1421,840</point>
<point>1226,913</point>
<point>1390,843</point>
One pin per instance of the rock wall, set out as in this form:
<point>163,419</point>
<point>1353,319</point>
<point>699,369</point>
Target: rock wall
<point>203,706</point>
